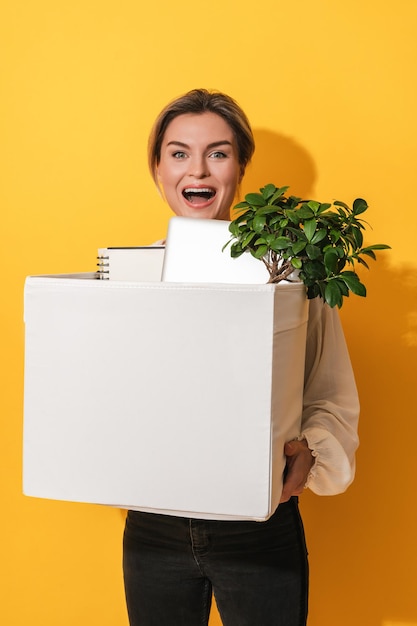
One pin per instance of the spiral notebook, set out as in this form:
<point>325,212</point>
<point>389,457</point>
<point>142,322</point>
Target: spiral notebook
<point>138,264</point>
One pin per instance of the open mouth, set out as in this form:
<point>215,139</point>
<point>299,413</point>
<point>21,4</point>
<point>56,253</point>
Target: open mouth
<point>198,195</point>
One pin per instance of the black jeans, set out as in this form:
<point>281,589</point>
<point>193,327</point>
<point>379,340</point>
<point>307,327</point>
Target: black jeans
<point>258,571</point>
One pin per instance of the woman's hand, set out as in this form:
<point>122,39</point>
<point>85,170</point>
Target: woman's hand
<point>300,460</point>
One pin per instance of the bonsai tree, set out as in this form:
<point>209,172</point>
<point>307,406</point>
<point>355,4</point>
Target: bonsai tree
<point>304,240</point>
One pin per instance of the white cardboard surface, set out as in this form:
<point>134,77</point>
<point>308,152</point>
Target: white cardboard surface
<point>174,398</point>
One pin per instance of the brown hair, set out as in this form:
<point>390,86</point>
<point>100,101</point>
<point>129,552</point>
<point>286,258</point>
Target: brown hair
<point>200,101</point>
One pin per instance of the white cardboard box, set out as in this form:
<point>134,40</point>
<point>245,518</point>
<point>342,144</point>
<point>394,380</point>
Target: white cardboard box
<point>173,398</point>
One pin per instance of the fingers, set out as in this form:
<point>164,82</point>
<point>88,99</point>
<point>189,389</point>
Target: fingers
<point>299,463</point>
<point>293,486</point>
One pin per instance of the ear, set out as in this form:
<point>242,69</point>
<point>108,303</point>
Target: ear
<point>157,177</point>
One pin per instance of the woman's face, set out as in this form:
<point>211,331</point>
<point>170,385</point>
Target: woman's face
<point>199,169</point>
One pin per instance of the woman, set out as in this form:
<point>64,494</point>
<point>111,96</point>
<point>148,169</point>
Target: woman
<point>198,151</point>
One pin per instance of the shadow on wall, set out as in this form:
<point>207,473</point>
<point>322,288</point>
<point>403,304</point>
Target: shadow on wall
<point>279,160</point>
<point>363,544</point>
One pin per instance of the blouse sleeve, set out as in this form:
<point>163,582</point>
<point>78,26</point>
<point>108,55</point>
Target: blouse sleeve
<point>331,405</point>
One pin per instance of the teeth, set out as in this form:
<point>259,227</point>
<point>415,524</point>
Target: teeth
<point>199,190</point>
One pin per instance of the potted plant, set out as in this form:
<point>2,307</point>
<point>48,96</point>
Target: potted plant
<point>304,240</point>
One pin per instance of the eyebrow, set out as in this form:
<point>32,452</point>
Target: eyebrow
<point>215,144</point>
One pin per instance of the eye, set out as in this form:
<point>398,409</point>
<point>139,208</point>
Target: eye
<point>218,155</point>
<point>179,154</point>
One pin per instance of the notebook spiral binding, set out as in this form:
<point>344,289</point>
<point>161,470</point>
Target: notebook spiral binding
<point>103,271</point>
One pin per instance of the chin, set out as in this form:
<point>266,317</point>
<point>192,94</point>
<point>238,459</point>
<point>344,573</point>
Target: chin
<point>207,213</point>
<point>213,215</point>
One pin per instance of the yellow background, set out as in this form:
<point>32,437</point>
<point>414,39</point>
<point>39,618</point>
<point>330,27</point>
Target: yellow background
<point>330,89</point>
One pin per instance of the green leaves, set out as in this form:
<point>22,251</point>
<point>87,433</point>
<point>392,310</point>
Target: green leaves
<point>359,206</point>
<point>310,228</point>
<point>255,199</point>
<point>317,239</point>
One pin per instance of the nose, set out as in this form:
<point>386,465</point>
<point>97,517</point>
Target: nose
<point>198,167</point>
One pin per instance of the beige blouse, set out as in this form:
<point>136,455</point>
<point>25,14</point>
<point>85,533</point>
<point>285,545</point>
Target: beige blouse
<point>331,404</point>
